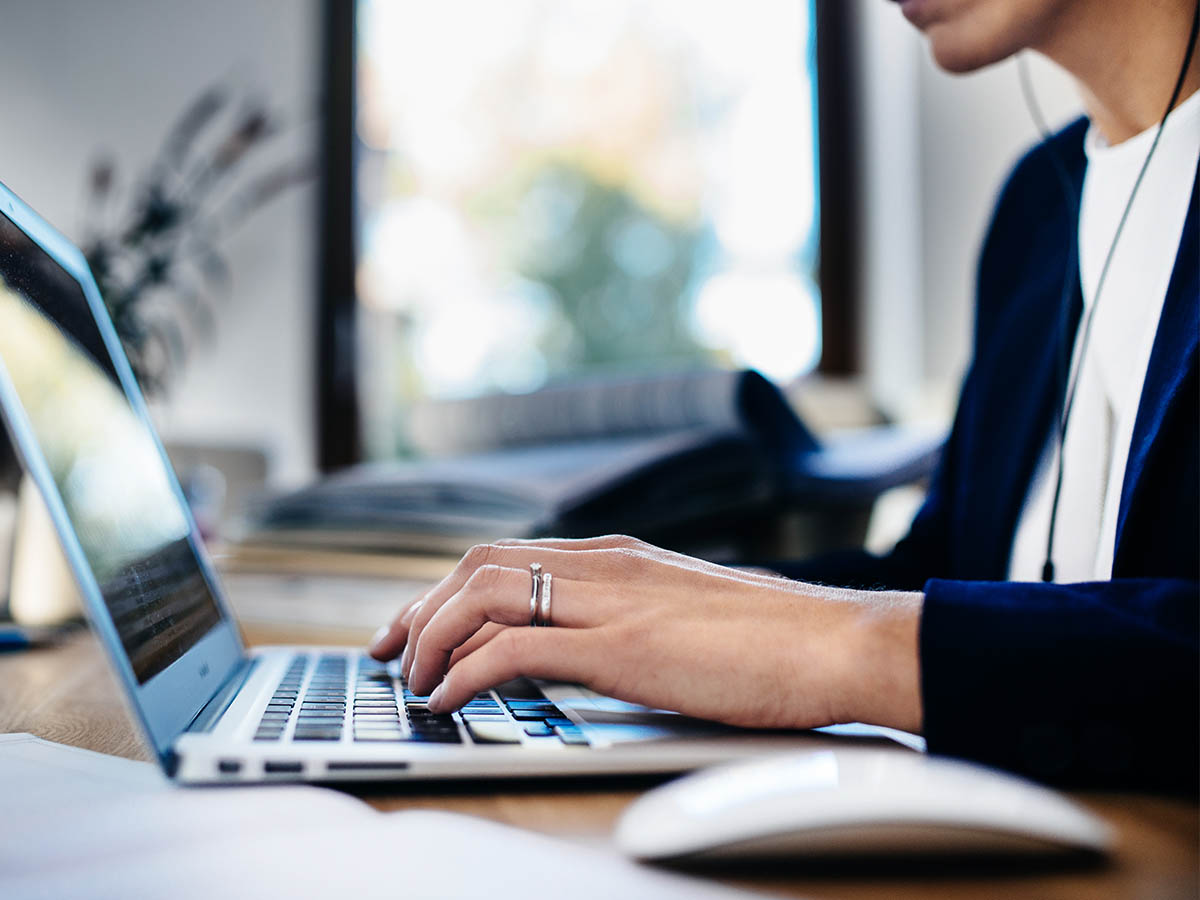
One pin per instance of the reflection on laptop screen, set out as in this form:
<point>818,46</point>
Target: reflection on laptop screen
<point>116,490</point>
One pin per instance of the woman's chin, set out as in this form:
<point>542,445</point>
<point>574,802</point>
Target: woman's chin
<point>959,56</point>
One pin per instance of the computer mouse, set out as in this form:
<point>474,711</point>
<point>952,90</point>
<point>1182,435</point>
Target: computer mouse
<point>854,801</point>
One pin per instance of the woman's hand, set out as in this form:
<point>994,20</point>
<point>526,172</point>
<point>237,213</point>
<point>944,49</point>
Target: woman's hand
<point>657,628</point>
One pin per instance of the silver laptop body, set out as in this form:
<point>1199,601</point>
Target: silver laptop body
<point>212,710</point>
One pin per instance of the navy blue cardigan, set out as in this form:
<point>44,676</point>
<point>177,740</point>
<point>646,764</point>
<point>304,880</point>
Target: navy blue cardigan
<point>1085,684</point>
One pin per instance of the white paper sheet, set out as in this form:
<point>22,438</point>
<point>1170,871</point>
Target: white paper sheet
<point>84,825</point>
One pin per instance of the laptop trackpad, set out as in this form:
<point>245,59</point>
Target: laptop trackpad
<point>619,722</point>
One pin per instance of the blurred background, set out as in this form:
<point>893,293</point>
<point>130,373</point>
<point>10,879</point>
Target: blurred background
<point>508,195</point>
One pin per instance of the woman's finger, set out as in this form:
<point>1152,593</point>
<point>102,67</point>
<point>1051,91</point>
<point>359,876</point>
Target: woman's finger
<point>477,640</point>
<point>607,564</point>
<point>445,589</point>
<point>556,654</point>
<point>389,639</point>
<point>634,545</point>
<point>602,542</point>
<point>500,595</point>
<point>406,635</point>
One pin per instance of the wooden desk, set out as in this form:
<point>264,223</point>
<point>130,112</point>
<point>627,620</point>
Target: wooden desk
<point>68,694</point>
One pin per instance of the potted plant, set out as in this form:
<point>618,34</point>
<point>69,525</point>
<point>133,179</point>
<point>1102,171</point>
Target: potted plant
<point>155,250</point>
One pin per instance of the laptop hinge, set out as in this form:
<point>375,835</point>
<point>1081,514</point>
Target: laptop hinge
<point>212,710</point>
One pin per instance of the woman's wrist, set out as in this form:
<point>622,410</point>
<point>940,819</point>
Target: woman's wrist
<point>880,679</point>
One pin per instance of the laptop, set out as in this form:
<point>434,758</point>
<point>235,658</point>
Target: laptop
<point>212,710</point>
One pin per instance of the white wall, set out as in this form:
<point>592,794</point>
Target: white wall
<point>82,77</point>
<point>939,147</point>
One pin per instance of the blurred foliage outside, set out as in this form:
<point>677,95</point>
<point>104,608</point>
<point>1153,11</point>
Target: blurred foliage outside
<point>566,190</point>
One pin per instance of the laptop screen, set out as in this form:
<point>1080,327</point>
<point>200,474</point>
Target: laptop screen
<point>115,487</point>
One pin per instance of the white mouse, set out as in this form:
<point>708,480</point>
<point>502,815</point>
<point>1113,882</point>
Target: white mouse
<point>840,802</point>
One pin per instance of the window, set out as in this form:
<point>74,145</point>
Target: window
<point>552,188</point>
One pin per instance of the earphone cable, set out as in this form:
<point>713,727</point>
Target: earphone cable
<point>1070,386</point>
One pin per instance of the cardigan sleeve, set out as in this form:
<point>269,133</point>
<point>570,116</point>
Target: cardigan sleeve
<point>1080,684</point>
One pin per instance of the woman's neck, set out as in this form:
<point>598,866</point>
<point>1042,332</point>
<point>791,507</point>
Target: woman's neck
<point>1126,58</point>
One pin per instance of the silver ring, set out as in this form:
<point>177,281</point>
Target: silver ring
<point>544,616</point>
<point>535,569</point>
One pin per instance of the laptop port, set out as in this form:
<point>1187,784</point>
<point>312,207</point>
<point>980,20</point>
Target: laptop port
<point>229,766</point>
<point>279,766</point>
<point>365,766</point>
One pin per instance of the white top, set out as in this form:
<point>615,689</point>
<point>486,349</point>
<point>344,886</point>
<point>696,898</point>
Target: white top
<point>1100,430</point>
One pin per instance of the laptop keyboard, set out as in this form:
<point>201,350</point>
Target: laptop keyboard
<point>361,700</point>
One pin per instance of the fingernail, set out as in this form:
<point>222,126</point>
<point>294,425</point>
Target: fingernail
<point>436,697</point>
<point>378,637</point>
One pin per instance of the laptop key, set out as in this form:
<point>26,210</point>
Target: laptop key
<point>436,737</point>
<point>317,735</point>
<point>520,689</point>
<point>572,736</point>
<point>380,737</point>
<point>534,715</point>
<point>439,735</point>
<point>539,729</point>
<point>494,733</point>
